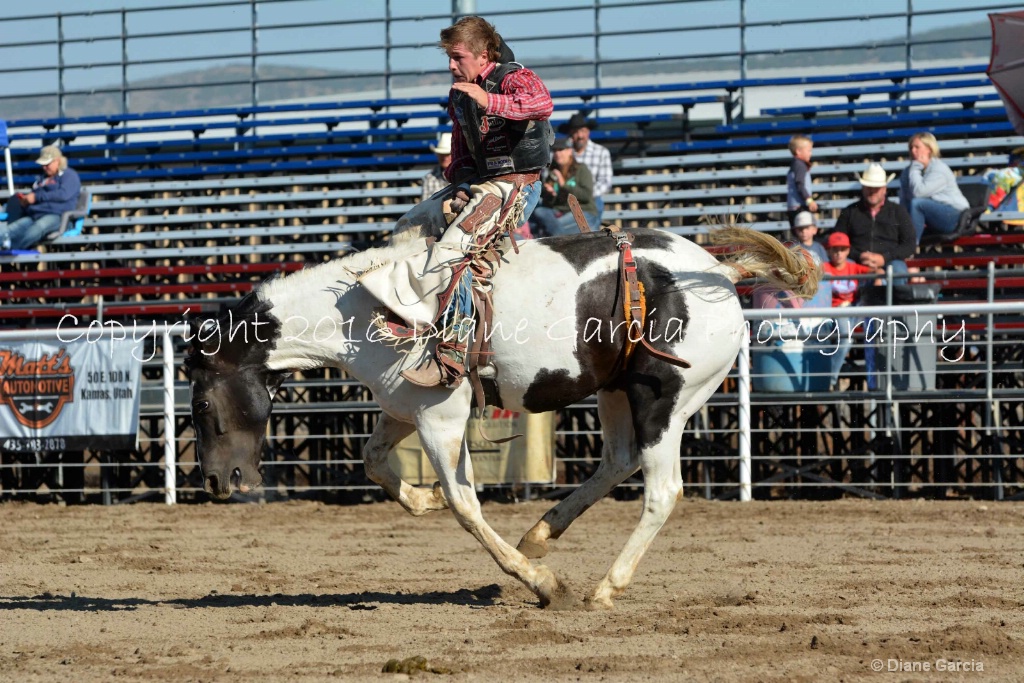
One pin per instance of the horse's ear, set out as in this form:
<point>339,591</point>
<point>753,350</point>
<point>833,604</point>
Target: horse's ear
<point>275,380</point>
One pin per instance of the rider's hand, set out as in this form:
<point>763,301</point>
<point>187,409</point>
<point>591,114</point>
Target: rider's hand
<point>478,94</point>
<point>460,199</point>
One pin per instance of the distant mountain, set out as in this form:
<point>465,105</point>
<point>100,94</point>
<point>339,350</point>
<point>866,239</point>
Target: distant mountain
<point>195,89</point>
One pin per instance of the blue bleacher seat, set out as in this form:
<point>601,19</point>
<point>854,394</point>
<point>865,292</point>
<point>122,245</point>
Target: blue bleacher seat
<point>982,113</point>
<point>991,128</point>
<point>967,101</point>
<point>899,89</point>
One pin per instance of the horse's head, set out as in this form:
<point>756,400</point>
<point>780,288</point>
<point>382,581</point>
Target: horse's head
<point>231,398</point>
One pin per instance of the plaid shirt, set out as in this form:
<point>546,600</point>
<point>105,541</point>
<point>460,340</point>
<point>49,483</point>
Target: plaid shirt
<point>523,97</point>
<point>599,160</point>
<point>433,182</point>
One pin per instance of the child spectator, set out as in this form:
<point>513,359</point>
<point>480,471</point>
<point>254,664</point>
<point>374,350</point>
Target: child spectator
<point>798,180</point>
<point>804,230</point>
<point>844,292</point>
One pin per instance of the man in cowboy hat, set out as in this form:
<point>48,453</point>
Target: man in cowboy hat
<point>596,157</point>
<point>881,232</point>
<point>435,181</point>
<point>33,215</point>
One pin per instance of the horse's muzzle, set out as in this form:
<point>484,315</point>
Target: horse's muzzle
<point>217,486</point>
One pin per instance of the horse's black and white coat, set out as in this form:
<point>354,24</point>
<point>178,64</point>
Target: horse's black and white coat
<point>557,338</point>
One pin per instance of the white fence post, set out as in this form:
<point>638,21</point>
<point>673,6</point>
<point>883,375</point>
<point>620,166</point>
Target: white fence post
<point>744,417</point>
<point>170,438</point>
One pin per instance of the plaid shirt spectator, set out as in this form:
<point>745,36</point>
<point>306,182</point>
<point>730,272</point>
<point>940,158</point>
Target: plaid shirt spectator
<point>599,160</point>
<point>433,182</point>
<point>523,97</point>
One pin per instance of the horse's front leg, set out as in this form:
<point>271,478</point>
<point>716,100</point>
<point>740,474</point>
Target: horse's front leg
<point>385,437</point>
<point>443,441</point>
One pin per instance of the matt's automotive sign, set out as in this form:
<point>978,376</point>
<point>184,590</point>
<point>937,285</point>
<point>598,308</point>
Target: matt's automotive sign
<point>68,396</point>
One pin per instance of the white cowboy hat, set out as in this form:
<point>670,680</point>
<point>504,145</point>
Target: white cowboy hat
<point>444,144</point>
<point>875,176</point>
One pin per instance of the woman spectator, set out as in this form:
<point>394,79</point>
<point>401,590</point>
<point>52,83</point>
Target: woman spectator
<point>565,177</point>
<point>928,189</point>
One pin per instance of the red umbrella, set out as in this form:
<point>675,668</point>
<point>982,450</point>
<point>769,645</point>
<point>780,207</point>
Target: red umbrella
<point>1006,67</point>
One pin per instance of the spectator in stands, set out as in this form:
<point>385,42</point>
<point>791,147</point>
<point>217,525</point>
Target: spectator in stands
<point>798,180</point>
<point>880,231</point>
<point>928,189</point>
<point>1006,187</point>
<point>33,215</point>
<point>501,140</point>
<point>596,157</point>
<point>804,230</point>
<point>844,293</point>
<point>565,177</point>
<point>435,181</point>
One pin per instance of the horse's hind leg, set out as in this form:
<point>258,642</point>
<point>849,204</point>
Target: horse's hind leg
<point>658,437</point>
<point>386,435</point>
<point>619,459</point>
<point>443,441</point>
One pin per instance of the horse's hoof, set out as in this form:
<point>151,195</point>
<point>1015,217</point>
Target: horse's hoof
<point>561,600</point>
<point>600,605</point>
<point>532,549</point>
<point>554,594</point>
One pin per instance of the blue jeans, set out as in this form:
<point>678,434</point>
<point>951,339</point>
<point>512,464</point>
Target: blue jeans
<point>940,218</point>
<point>532,194</point>
<point>596,223</point>
<point>545,221</point>
<point>899,267</point>
<point>26,231</point>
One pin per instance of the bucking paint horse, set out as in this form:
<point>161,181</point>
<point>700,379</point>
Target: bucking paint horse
<point>558,335</point>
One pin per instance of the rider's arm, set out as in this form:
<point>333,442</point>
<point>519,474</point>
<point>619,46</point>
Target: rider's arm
<point>523,97</point>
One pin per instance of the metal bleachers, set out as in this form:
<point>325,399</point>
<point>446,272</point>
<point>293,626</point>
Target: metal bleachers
<point>166,230</point>
<point>965,101</point>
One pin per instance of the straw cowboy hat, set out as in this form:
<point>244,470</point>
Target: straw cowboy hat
<point>875,176</point>
<point>444,144</point>
<point>577,120</point>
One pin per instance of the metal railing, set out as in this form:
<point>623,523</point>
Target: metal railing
<point>397,48</point>
<point>981,379</point>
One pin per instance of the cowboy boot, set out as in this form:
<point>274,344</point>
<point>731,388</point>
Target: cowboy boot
<point>447,366</point>
<point>426,374</point>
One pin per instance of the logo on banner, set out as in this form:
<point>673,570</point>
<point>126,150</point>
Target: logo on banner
<point>36,390</point>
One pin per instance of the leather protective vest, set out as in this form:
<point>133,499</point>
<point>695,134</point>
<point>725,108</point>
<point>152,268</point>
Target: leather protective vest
<point>499,145</point>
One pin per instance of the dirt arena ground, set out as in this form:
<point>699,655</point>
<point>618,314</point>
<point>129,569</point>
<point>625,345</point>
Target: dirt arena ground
<point>781,591</point>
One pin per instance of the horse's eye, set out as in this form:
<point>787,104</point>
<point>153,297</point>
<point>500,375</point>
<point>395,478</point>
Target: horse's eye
<point>200,406</point>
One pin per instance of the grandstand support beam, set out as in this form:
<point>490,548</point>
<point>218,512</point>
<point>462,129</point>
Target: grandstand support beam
<point>463,8</point>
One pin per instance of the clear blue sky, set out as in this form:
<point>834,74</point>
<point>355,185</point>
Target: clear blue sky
<point>535,34</point>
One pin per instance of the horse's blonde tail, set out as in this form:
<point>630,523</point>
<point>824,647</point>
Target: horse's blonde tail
<point>755,254</point>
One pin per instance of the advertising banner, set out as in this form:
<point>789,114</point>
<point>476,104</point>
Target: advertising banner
<point>529,459</point>
<point>57,396</point>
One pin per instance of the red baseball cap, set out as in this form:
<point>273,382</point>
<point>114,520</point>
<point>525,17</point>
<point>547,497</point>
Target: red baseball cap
<point>838,239</point>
